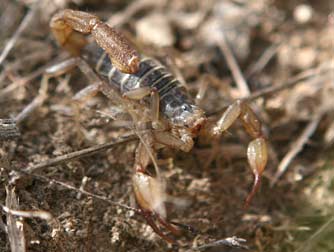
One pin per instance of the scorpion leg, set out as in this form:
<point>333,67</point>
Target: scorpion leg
<point>89,91</point>
<point>257,148</point>
<point>137,93</point>
<point>155,107</point>
<point>67,25</point>
<point>140,93</point>
<point>62,67</point>
<point>184,143</point>
<point>69,64</point>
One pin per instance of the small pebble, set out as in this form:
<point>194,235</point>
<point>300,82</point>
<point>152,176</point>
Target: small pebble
<point>155,29</point>
<point>303,13</point>
<point>305,57</point>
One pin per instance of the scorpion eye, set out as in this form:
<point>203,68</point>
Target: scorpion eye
<point>185,108</point>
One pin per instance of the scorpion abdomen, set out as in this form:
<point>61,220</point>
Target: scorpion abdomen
<point>174,99</point>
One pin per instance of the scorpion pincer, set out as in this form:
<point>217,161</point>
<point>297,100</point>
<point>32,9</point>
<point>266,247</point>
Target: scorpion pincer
<point>176,120</point>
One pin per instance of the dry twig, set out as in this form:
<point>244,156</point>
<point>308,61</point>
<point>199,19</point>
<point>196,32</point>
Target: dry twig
<point>234,67</point>
<point>36,102</point>
<point>14,226</point>
<point>27,214</point>
<point>297,146</point>
<point>24,24</point>
<point>78,190</point>
<point>313,238</point>
<point>121,17</point>
<point>22,81</point>
<point>305,77</point>
<point>233,242</point>
<point>260,64</point>
<point>81,153</point>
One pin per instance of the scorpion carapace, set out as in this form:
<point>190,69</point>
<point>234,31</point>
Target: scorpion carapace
<point>176,120</point>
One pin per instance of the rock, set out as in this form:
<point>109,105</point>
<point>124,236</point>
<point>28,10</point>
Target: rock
<point>303,13</point>
<point>155,29</point>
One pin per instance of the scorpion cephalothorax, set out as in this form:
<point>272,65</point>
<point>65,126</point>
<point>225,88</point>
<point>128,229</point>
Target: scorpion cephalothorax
<point>176,120</point>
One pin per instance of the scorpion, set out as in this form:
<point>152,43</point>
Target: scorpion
<point>149,92</point>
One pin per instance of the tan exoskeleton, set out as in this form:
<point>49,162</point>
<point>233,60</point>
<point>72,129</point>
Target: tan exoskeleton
<point>149,93</point>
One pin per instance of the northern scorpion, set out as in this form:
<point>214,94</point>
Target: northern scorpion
<point>149,93</point>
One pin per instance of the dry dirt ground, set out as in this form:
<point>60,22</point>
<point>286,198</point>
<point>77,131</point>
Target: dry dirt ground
<point>284,50</point>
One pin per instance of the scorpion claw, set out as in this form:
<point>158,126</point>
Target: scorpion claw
<point>151,197</point>
<point>150,218</point>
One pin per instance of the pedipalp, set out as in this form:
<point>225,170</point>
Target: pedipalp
<point>65,23</point>
<point>257,152</point>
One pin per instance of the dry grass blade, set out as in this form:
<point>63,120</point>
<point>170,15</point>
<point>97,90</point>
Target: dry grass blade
<point>81,153</point>
<point>234,67</point>
<point>233,242</point>
<point>21,82</point>
<point>123,16</point>
<point>78,190</point>
<point>297,146</point>
<point>309,74</point>
<point>38,101</point>
<point>307,77</point>
<point>259,65</point>
<point>15,227</point>
<point>24,24</point>
<point>307,246</point>
<point>28,214</point>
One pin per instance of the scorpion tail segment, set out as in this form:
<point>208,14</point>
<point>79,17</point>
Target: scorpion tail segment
<point>119,49</point>
<point>257,158</point>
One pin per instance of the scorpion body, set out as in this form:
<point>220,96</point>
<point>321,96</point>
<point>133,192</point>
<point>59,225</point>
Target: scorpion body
<point>177,119</point>
<point>175,103</point>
